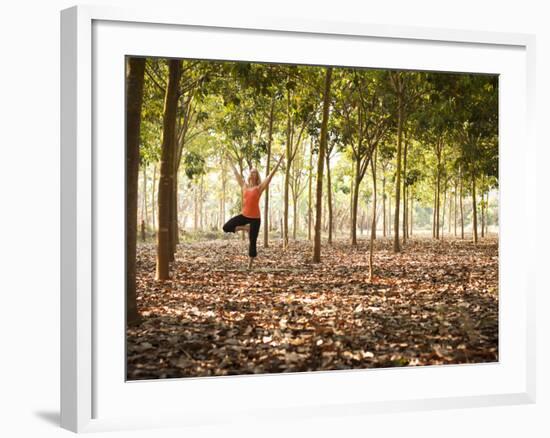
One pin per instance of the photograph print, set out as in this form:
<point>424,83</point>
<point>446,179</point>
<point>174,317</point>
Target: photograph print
<point>286,218</point>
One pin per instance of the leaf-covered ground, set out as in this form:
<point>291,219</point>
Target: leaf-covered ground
<point>435,303</point>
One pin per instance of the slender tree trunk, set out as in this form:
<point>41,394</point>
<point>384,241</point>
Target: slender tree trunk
<point>144,204</point>
<point>351,196</point>
<point>287,172</point>
<point>373,225</point>
<point>461,209</point>
<point>355,202</point>
<point>267,170</point>
<point>144,212</point>
<point>321,162</point>
<point>286,207</point>
<point>455,209</point>
<point>309,197</point>
<point>324,225</point>
<point>384,232</point>
<point>153,202</point>
<point>329,200</point>
<point>389,216</point>
<point>224,188</point>
<point>373,168</point>
<point>166,169</point>
<point>405,223</point>
<point>482,215</point>
<point>405,220</point>
<point>438,197</point>
<point>201,204</point>
<point>135,71</point>
<point>474,209</point>
<point>443,213</point>
<point>450,210</point>
<point>434,222</point>
<point>412,210</point>
<point>294,217</point>
<point>400,116</point>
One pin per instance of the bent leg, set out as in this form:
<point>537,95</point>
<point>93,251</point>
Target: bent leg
<point>231,224</point>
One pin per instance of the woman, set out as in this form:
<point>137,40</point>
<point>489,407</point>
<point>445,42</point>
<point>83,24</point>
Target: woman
<point>250,218</point>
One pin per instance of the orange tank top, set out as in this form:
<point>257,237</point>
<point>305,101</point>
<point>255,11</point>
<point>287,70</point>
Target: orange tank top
<point>251,202</point>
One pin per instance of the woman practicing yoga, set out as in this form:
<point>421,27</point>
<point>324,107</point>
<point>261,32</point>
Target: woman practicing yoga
<point>249,219</point>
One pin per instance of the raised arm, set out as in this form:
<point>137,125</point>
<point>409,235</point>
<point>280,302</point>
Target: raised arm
<point>266,181</point>
<point>238,176</point>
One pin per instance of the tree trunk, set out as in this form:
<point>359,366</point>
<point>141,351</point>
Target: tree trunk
<point>373,225</point>
<point>329,201</point>
<point>144,212</point>
<point>166,169</point>
<point>309,210</point>
<point>389,216</point>
<point>482,215</point>
<point>443,213</point>
<point>405,224</point>
<point>434,211</point>
<point>134,98</point>
<point>374,207</point>
<point>286,206</point>
<point>321,162</point>
<point>351,191</point>
<point>153,202</point>
<point>405,211</point>
<point>450,210</point>
<point>267,170</point>
<point>411,215</point>
<point>223,201</point>
<point>294,217</point>
<point>324,223</point>
<point>201,203</point>
<point>455,203</point>
<point>355,202</point>
<point>287,172</point>
<point>438,196</point>
<point>474,209</point>
<point>461,209</point>
<point>384,205</point>
<point>396,243</point>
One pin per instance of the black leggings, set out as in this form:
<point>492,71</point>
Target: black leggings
<point>240,220</point>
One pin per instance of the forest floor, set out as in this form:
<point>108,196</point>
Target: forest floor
<point>434,303</point>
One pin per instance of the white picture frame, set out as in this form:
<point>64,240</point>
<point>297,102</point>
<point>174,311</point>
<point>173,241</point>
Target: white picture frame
<point>92,327</point>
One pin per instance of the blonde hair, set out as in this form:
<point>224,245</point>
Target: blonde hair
<point>258,177</point>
